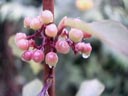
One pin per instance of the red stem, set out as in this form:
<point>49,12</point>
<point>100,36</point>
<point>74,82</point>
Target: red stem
<point>49,5</point>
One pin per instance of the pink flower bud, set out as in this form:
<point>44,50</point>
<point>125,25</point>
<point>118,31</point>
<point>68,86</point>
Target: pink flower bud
<point>35,24</point>
<point>20,36</point>
<point>27,21</point>
<point>75,35</point>
<point>22,44</point>
<point>84,48</point>
<point>38,56</point>
<point>51,30</point>
<point>27,55</point>
<point>62,46</point>
<point>47,17</point>
<point>88,48</point>
<point>51,59</point>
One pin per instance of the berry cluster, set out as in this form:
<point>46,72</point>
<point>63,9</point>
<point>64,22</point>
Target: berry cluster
<point>53,40</point>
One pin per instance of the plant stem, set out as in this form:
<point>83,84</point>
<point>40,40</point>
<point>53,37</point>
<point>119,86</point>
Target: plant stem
<point>49,5</point>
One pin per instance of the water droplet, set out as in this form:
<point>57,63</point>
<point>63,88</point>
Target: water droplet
<point>50,66</point>
<point>85,55</point>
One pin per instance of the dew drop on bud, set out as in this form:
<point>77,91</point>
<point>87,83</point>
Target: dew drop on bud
<point>50,66</point>
<point>51,58</point>
<point>85,56</point>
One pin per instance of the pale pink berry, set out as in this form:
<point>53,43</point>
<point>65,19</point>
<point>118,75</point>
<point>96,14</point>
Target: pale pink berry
<point>80,47</point>
<point>27,21</point>
<point>38,56</point>
<point>20,36</point>
<point>46,16</point>
<point>51,30</point>
<point>62,46</point>
<point>87,48</point>
<point>27,55</point>
<point>39,18</point>
<point>84,48</point>
<point>87,51</point>
<point>75,35</point>
<point>22,44</point>
<point>51,59</point>
<point>35,24</point>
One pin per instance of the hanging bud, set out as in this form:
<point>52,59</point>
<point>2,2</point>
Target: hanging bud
<point>51,59</point>
<point>75,35</point>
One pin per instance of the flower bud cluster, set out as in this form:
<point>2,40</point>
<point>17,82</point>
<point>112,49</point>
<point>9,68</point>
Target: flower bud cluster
<point>53,40</point>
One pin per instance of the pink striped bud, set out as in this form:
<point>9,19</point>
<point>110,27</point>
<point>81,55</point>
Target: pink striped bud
<point>38,56</point>
<point>84,48</point>
<point>35,24</point>
<point>51,59</point>
<point>27,55</point>
<point>23,44</point>
<point>20,36</point>
<point>75,35</point>
<point>27,21</point>
<point>62,46</point>
<point>46,17</point>
<point>51,30</point>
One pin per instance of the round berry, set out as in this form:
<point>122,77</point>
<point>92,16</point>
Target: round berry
<point>87,48</point>
<point>46,16</point>
<point>23,44</point>
<point>51,30</point>
<point>83,47</point>
<point>87,51</point>
<point>75,35</point>
<point>51,59</point>
<point>27,21</point>
<point>39,18</point>
<point>27,55</point>
<point>80,47</point>
<point>62,46</point>
<point>38,56</point>
<point>35,24</point>
<point>20,36</point>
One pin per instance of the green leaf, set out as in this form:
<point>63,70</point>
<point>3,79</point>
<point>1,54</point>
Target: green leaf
<point>111,33</point>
